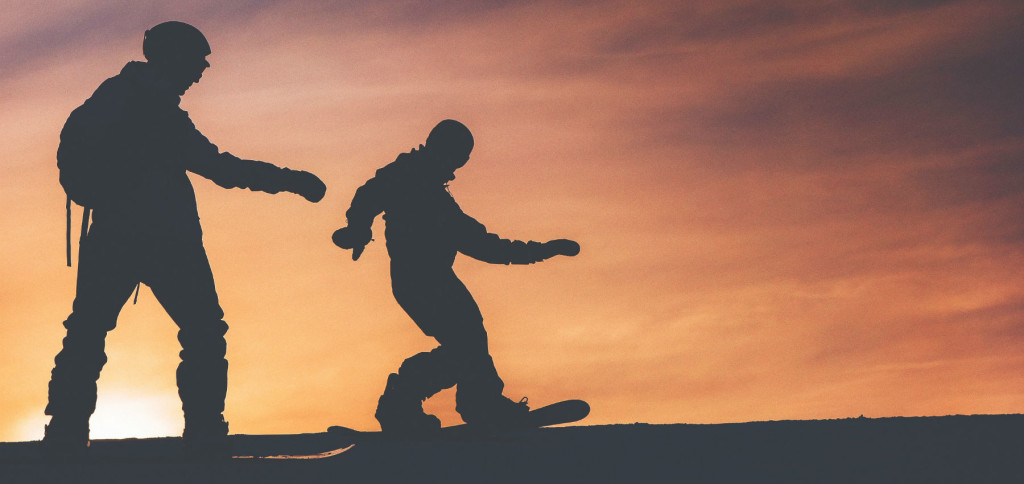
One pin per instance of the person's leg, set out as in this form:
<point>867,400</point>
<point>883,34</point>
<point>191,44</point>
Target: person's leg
<point>400,407</point>
<point>106,277</point>
<point>459,327</point>
<point>443,308</point>
<point>182,282</point>
<point>437,307</point>
<point>479,395</point>
<point>479,398</point>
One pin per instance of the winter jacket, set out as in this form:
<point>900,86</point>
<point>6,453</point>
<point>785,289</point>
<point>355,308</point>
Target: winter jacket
<point>424,226</point>
<point>126,152</point>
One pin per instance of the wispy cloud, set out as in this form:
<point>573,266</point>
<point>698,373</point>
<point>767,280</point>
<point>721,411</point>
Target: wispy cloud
<point>788,209</point>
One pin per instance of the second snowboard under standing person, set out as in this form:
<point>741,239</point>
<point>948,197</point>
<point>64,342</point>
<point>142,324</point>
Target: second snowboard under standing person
<point>425,229</point>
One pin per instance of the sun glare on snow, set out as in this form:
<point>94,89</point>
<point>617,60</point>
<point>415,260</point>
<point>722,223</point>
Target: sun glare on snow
<point>122,415</point>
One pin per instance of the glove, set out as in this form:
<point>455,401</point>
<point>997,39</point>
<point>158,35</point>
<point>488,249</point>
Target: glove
<point>559,247</point>
<point>306,184</point>
<point>351,238</point>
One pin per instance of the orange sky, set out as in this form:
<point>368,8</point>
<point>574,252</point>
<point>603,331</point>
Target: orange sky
<point>788,209</point>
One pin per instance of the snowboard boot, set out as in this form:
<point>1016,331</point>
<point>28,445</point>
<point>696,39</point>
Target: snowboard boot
<point>495,413</point>
<point>401,414</point>
<point>65,439</point>
<point>207,438</point>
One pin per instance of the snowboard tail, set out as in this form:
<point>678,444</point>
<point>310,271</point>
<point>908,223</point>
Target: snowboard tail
<point>566,411</point>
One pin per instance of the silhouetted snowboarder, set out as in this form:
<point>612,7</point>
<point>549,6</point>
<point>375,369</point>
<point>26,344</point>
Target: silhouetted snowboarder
<point>125,154</point>
<point>425,229</point>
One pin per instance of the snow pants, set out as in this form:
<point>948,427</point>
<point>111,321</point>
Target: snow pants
<point>443,308</point>
<point>110,267</point>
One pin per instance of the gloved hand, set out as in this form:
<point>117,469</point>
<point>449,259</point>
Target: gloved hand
<point>352,238</point>
<point>306,184</point>
<point>559,247</point>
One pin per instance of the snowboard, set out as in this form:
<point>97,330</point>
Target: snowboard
<point>566,411</point>
<point>336,441</point>
<point>170,450</point>
<point>290,447</point>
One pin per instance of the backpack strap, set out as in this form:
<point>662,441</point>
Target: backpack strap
<point>86,211</point>
<point>67,233</point>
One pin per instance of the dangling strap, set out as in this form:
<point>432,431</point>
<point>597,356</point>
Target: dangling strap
<point>67,233</point>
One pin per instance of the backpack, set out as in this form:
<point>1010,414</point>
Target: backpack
<point>84,161</point>
<point>79,160</point>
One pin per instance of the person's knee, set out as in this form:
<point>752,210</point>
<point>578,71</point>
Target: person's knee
<point>432,361</point>
<point>82,357</point>
<point>466,341</point>
<point>84,344</point>
<point>203,341</point>
<point>91,321</point>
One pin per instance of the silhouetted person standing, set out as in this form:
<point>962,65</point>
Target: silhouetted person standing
<point>125,154</point>
<point>425,230</point>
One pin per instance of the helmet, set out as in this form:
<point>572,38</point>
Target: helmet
<point>174,40</point>
<point>452,137</point>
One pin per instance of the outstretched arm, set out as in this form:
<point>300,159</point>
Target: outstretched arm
<point>230,171</point>
<point>476,242</point>
<point>367,203</point>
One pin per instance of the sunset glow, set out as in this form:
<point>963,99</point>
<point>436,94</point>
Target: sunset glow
<point>787,209</point>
